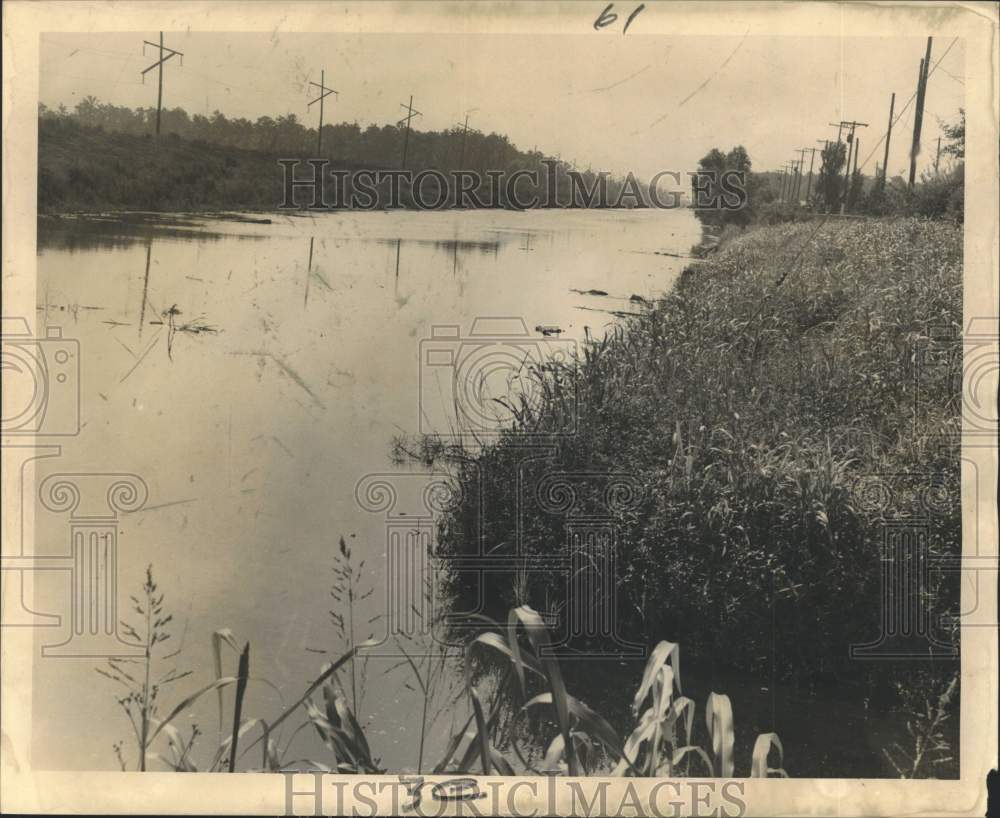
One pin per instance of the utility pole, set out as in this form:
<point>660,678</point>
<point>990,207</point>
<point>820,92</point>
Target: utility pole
<point>812,159</point>
<point>165,54</point>
<point>850,149</point>
<point>802,159</point>
<point>781,186</point>
<point>324,92</point>
<point>786,192</point>
<point>857,150</point>
<point>937,158</point>
<point>465,132</point>
<point>826,147</point>
<point>888,136</point>
<point>410,113</point>
<point>918,116</point>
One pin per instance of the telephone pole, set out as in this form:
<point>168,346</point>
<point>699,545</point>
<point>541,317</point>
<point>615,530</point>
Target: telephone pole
<point>812,159</point>
<point>850,149</point>
<point>888,136</point>
<point>918,116</point>
<point>802,159</point>
<point>465,133</point>
<point>786,187</point>
<point>826,147</point>
<point>410,113</point>
<point>165,54</point>
<point>796,178</point>
<point>324,92</point>
<point>937,158</point>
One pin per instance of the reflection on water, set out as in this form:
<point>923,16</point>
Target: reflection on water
<point>252,374</point>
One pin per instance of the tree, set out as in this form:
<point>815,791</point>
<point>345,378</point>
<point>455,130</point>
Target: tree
<point>708,192</point>
<point>955,134</point>
<point>829,184</point>
<point>855,190</point>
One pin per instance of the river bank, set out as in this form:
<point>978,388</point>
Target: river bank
<point>760,409</point>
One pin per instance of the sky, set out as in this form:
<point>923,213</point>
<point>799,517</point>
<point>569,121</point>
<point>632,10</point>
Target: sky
<point>640,103</point>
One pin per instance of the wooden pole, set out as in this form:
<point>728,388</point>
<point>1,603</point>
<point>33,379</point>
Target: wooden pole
<point>812,159</point>
<point>324,92</point>
<point>406,136</point>
<point>159,91</point>
<point>164,55</point>
<point>918,117</point>
<point>847,172</point>
<point>888,136</point>
<point>319,132</point>
<point>465,133</point>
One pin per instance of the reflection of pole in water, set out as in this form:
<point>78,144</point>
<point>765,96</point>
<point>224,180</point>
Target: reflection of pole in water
<point>309,266</point>
<point>395,284</point>
<point>145,286</point>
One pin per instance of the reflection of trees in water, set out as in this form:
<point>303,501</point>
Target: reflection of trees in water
<point>121,232</point>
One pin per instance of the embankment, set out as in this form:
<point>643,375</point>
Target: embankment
<point>774,414</point>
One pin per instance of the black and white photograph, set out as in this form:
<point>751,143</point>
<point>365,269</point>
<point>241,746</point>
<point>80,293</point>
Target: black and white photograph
<point>500,409</point>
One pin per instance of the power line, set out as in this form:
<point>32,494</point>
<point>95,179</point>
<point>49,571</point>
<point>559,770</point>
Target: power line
<point>908,103</point>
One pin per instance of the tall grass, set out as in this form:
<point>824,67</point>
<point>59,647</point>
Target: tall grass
<point>583,744</point>
<point>145,679</point>
<point>748,403</point>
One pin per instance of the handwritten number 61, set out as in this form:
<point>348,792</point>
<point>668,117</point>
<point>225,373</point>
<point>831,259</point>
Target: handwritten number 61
<point>608,17</point>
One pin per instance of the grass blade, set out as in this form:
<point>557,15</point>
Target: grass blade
<point>719,719</point>
<point>220,636</point>
<point>761,749</point>
<point>663,653</point>
<point>538,635</point>
<point>484,739</point>
<point>186,703</point>
<point>241,689</point>
<point>326,674</point>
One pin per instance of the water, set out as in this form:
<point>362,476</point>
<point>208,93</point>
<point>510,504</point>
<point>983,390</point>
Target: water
<point>266,375</point>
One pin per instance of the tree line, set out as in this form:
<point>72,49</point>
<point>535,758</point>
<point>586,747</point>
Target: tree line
<point>110,131</point>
